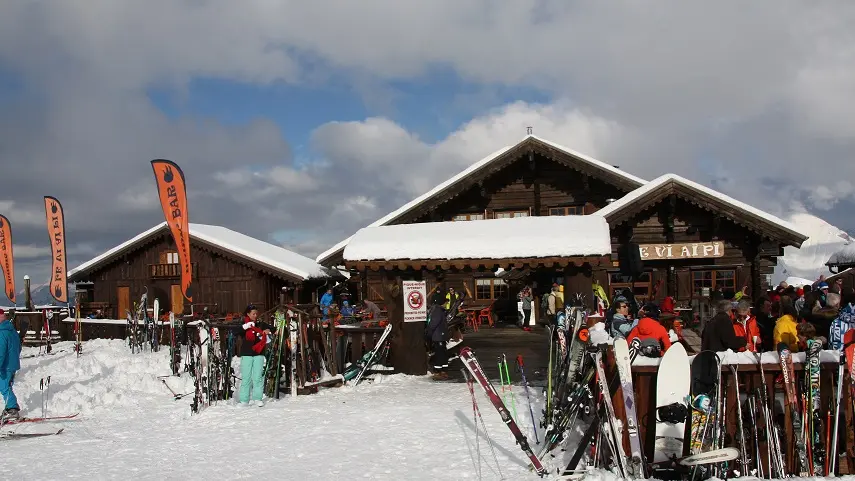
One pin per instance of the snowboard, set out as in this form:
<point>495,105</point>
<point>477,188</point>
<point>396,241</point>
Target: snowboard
<point>672,387</point>
<point>706,377</point>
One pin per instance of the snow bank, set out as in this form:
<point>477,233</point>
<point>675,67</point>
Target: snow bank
<point>730,357</point>
<point>519,237</point>
<point>399,427</point>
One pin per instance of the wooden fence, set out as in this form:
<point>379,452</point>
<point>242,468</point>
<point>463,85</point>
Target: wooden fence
<point>644,383</point>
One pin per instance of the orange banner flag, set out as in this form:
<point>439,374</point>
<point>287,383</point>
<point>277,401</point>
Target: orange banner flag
<point>6,259</point>
<point>171,189</point>
<point>56,230</point>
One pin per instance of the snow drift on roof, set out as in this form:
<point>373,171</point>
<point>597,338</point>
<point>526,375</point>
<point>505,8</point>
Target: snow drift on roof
<point>521,237</point>
<point>239,244</point>
<point>808,261</point>
<point>846,255</point>
<point>469,171</point>
<point>654,184</point>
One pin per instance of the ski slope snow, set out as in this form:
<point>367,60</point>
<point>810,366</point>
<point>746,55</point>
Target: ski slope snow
<point>397,427</point>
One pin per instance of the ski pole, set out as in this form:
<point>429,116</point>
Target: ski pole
<point>528,396</point>
<point>832,452</point>
<point>510,389</point>
<point>42,389</point>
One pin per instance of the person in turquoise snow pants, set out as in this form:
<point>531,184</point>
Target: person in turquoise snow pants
<point>257,335</point>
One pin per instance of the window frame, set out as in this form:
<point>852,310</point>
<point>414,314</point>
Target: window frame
<point>577,210</point>
<point>647,285</point>
<point>511,213</point>
<point>467,217</point>
<point>714,280</point>
<point>492,282</point>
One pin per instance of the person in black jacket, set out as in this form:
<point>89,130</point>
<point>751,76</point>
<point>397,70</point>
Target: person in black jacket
<point>256,336</point>
<point>437,333</point>
<point>765,321</point>
<point>719,334</point>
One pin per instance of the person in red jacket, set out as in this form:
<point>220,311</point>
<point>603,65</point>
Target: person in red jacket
<point>650,331</point>
<point>745,326</point>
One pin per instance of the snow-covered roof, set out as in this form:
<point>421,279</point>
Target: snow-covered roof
<point>846,255</point>
<point>241,245</point>
<point>798,282</point>
<point>486,161</point>
<point>520,237</point>
<point>655,184</point>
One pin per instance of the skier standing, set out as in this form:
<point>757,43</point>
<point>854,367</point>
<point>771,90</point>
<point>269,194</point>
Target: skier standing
<point>653,335</point>
<point>256,338</point>
<point>10,363</point>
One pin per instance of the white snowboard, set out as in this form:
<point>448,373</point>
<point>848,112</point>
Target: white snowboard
<point>673,382</point>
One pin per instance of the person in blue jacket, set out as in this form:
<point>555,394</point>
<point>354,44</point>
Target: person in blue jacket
<point>326,302</point>
<point>10,363</point>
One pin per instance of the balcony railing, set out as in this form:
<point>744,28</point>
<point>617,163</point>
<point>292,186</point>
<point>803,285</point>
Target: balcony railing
<point>167,271</point>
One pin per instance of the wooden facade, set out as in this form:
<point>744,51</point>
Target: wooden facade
<point>222,281</point>
<point>534,178</point>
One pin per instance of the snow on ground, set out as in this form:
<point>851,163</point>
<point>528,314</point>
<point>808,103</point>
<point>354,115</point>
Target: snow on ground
<point>399,427</point>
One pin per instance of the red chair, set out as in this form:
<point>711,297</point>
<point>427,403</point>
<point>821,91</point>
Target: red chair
<point>472,320</point>
<point>486,314</point>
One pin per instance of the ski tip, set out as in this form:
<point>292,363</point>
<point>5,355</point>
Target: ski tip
<point>782,346</point>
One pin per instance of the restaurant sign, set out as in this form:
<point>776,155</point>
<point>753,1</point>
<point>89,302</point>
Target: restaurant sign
<point>694,250</point>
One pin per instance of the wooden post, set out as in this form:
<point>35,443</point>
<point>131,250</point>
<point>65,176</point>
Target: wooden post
<point>409,355</point>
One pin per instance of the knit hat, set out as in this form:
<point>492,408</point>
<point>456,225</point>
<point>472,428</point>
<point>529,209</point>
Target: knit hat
<point>651,310</point>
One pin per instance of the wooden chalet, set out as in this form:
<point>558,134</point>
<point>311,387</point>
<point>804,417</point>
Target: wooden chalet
<point>669,237</point>
<point>230,271</point>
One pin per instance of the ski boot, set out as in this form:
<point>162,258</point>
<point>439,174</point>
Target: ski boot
<point>10,414</point>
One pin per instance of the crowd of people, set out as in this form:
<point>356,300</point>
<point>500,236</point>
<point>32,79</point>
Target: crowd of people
<point>788,314</point>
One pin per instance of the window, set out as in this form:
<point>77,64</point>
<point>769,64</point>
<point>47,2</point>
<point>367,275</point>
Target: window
<point>640,287</point>
<point>489,289</point>
<point>468,217</point>
<point>570,210</point>
<point>724,280</point>
<point>169,258</point>
<point>511,213</point>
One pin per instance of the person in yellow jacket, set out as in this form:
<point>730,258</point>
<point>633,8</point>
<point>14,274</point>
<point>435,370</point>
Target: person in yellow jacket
<point>785,328</point>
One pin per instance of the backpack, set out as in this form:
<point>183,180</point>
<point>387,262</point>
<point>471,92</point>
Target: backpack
<point>544,302</point>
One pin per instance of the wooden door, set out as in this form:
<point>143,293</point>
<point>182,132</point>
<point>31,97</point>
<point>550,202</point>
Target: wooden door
<point>123,304</point>
<point>177,299</point>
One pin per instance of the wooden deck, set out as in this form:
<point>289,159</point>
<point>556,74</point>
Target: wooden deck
<point>488,344</point>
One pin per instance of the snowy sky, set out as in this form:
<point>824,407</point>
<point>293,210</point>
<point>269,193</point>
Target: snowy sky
<point>299,122</point>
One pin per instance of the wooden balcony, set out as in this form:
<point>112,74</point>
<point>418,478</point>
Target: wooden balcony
<point>167,271</point>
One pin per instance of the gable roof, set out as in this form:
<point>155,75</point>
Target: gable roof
<point>662,185</point>
<point>520,237</point>
<point>486,162</point>
<point>240,245</point>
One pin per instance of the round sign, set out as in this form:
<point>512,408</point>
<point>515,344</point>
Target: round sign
<point>415,300</point>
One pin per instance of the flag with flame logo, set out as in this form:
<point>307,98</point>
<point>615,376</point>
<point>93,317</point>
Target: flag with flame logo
<point>6,260</point>
<point>56,230</point>
<point>173,199</point>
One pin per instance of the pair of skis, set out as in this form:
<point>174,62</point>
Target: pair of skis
<point>9,435</point>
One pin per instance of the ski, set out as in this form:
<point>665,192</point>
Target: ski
<point>28,435</point>
<point>38,420</point>
<point>360,367</point>
<point>614,433</point>
<point>625,373</point>
<point>477,372</point>
<point>814,410</point>
<point>710,457</point>
<point>792,401</point>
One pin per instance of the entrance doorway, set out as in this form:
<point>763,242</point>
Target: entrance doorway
<point>123,301</point>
